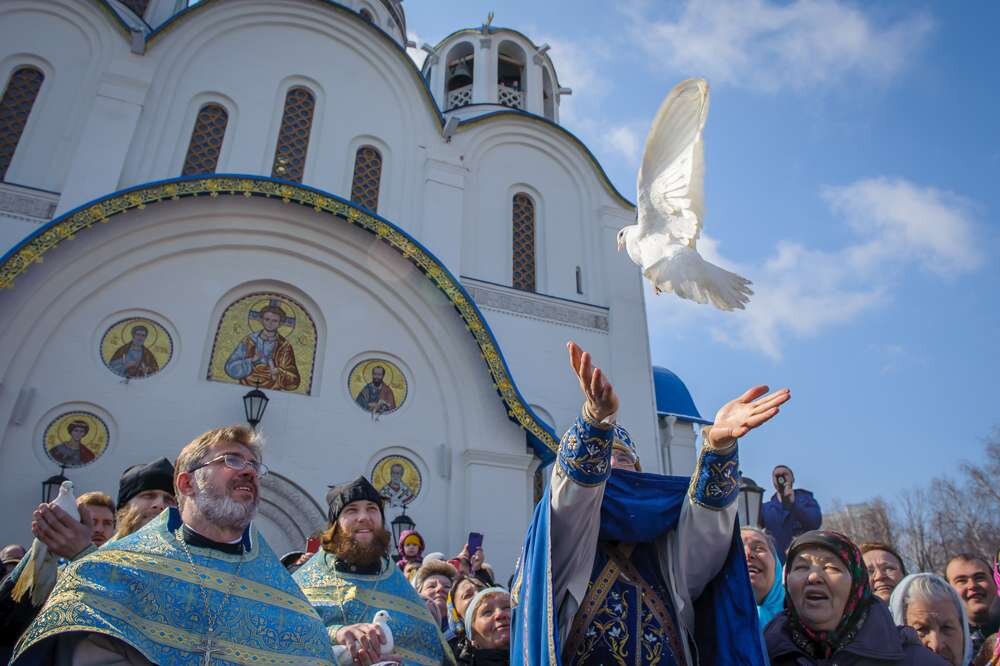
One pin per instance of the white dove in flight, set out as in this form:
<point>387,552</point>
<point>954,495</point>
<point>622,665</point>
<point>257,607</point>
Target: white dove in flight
<point>671,206</point>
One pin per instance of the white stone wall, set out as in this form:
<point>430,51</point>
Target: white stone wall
<point>108,118</point>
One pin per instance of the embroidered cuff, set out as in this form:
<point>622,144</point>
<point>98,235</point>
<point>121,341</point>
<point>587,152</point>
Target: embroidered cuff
<point>585,452</point>
<point>716,479</point>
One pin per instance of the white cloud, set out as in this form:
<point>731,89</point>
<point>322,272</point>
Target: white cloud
<point>800,292</point>
<point>417,54</point>
<point>625,141</point>
<point>925,224</point>
<point>769,45</point>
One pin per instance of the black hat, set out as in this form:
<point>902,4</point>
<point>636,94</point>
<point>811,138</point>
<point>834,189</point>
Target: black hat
<point>359,489</point>
<point>157,475</point>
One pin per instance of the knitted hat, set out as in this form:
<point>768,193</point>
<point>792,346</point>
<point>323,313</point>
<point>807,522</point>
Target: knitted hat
<point>470,611</point>
<point>157,475</point>
<point>623,442</point>
<point>433,568</point>
<point>357,490</point>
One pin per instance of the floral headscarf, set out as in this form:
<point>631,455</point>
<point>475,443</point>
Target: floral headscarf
<point>823,644</point>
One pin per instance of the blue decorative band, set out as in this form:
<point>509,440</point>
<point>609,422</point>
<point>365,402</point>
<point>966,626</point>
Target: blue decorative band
<point>585,453</point>
<point>716,480</point>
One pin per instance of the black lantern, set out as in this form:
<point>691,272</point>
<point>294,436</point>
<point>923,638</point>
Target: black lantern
<point>50,486</point>
<point>400,524</point>
<point>749,503</point>
<point>254,404</point>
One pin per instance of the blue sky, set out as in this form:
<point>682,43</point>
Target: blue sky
<point>853,154</point>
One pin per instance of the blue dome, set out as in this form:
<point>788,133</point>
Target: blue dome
<point>673,398</point>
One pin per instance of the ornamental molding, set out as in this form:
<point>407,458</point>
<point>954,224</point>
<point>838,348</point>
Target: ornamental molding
<point>518,461</point>
<point>27,204</point>
<point>531,305</point>
<point>117,205</point>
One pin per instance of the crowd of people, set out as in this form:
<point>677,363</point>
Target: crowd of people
<point>617,566</point>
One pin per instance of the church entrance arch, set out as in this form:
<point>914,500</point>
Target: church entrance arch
<point>287,514</point>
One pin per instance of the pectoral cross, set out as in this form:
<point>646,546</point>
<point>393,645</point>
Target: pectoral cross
<point>208,647</point>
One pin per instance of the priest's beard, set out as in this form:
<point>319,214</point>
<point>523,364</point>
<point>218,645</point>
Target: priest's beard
<point>220,509</point>
<point>348,549</point>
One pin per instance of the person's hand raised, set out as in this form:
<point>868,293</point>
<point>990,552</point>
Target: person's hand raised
<point>738,417</point>
<point>602,401</point>
<point>63,535</point>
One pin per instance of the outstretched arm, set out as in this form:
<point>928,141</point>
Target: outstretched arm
<point>697,548</point>
<point>582,465</point>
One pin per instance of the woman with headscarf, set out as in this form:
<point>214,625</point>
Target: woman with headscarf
<point>929,605</point>
<point>831,616</point>
<point>765,573</point>
<point>487,636</point>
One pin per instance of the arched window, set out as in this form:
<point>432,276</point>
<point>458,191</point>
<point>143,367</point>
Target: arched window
<point>524,242</point>
<point>206,140</point>
<point>15,106</point>
<point>459,75</point>
<point>367,175</point>
<point>510,75</point>
<point>137,6</point>
<point>293,138</point>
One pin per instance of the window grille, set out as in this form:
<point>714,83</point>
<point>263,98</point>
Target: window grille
<point>367,176</point>
<point>524,242</point>
<point>206,140</point>
<point>293,138</point>
<point>15,106</point>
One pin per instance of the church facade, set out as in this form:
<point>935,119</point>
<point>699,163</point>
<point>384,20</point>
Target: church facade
<point>196,203</point>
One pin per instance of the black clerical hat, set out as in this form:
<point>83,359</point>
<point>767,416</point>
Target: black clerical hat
<point>157,475</point>
<point>359,489</point>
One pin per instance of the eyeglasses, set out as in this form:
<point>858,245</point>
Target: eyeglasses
<point>235,462</point>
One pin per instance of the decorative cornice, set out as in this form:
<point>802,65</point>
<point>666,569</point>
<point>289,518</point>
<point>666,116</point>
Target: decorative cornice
<point>33,249</point>
<point>537,306</point>
<point>25,203</point>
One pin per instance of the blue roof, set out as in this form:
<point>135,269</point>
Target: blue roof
<point>673,398</point>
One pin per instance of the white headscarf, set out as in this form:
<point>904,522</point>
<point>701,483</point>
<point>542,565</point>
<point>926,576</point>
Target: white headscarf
<point>470,612</point>
<point>899,600</point>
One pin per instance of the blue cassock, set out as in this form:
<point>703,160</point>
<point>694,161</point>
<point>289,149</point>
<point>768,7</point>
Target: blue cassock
<point>637,508</point>
<point>143,590</point>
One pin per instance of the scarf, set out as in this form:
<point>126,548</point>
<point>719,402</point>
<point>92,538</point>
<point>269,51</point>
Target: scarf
<point>900,600</point>
<point>774,602</point>
<point>823,644</point>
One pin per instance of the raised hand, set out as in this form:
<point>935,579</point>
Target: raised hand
<point>738,417</point>
<point>60,532</point>
<point>602,401</point>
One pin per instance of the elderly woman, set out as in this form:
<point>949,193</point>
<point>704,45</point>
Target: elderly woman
<point>929,605</point>
<point>765,573</point>
<point>487,622</point>
<point>433,582</point>
<point>832,616</point>
<point>885,568</point>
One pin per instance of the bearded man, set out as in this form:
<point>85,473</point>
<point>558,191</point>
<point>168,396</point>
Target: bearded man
<point>352,578</point>
<point>195,585</point>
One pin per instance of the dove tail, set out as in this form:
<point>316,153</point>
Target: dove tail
<point>26,579</point>
<point>689,276</point>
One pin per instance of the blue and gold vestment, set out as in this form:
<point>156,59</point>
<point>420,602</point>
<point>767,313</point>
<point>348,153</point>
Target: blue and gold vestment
<point>343,598</point>
<point>629,613</point>
<point>143,590</point>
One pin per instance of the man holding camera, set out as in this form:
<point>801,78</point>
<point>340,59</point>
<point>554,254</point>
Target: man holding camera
<point>790,511</point>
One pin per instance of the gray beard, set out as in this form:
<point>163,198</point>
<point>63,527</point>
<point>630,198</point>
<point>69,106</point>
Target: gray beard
<point>221,510</point>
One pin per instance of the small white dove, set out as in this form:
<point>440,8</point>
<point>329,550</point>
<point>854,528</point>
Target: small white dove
<point>343,655</point>
<point>671,206</point>
<point>39,573</point>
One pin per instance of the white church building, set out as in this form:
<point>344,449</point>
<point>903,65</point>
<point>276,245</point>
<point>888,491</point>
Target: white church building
<point>199,202</point>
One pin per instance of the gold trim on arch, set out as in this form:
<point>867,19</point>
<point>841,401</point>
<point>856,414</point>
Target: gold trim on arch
<point>102,210</point>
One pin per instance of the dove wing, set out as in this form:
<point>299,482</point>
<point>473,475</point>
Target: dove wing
<point>672,174</point>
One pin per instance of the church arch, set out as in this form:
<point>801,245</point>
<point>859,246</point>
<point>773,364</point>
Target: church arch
<point>207,136</point>
<point>291,511</point>
<point>16,104</point>
<point>511,79</point>
<point>20,259</point>
<point>460,73</point>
